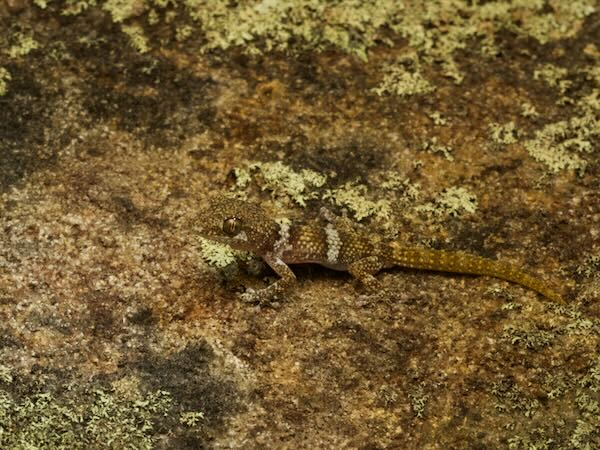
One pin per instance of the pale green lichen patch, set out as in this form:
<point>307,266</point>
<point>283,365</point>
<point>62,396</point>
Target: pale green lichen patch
<point>591,291</point>
<point>355,197</point>
<point>542,27</point>
<point>591,379</point>
<point>590,266</point>
<point>562,22</point>
<point>5,374</point>
<point>183,32</point>
<point>554,76</point>
<point>555,144</point>
<point>242,177</point>
<point>217,255</point>
<point>191,418</point>
<point>303,185</point>
<point>587,430</point>
<point>539,439</point>
<point>510,398</point>
<point>137,37</point>
<point>435,29</point>
<point>282,181</point>
<point>43,4</point>
<point>4,79</point>
<point>533,338</point>
<point>394,181</point>
<point>437,118</point>
<point>555,385</point>
<point>529,110</point>
<point>453,201</point>
<point>349,25</point>
<point>433,146</point>
<point>593,73</point>
<point>24,44</point>
<point>418,401</point>
<point>121,10</point>
<point>398,79</point>
<point>504,133</point>
<point>591,50</point>
<point>97,419</point>
<point>591,103</point>
<point>577,324</point>
<point>74,7</point>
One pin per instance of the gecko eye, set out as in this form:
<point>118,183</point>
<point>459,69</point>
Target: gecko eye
<point>232,226</point>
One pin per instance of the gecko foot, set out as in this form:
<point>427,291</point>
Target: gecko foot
<point>260,297</point>
<point>250,296</point>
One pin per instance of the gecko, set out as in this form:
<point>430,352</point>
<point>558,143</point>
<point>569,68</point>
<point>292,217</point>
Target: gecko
<point>338,245</point>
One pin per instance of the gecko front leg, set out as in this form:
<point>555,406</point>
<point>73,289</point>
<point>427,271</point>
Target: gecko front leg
<point>364,270</point>
<point>273,291</point>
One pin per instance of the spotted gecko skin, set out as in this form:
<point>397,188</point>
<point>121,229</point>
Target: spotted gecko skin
<point>337,245</point>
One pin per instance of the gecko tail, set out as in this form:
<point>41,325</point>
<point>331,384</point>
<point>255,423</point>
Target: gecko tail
<point>465,263</point>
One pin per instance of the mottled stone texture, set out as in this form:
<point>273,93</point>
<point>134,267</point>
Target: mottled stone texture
<point>473,127</point>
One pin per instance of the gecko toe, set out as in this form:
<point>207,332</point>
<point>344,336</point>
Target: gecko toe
<point>250,296</point>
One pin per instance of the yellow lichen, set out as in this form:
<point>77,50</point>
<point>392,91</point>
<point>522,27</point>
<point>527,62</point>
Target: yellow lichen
<point>24,44</point>
<point>528,110</point>
<point>137,37</point>
<point>43,4</point>
<point>4,79</point>
<point>183,32</point>
<point>74,7</point>
<point>433,146</point>
<point>437,118</point>
<point>121,10</point>
<point>503,133</point>
<point>553,76</point>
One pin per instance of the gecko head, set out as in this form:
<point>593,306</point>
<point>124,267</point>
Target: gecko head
<point>240,224</point>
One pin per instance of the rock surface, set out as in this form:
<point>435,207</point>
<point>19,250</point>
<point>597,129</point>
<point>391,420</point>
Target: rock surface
<point>448,124</point>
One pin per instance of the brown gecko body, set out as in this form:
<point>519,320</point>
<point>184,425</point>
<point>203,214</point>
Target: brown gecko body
<point>338,245</point>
